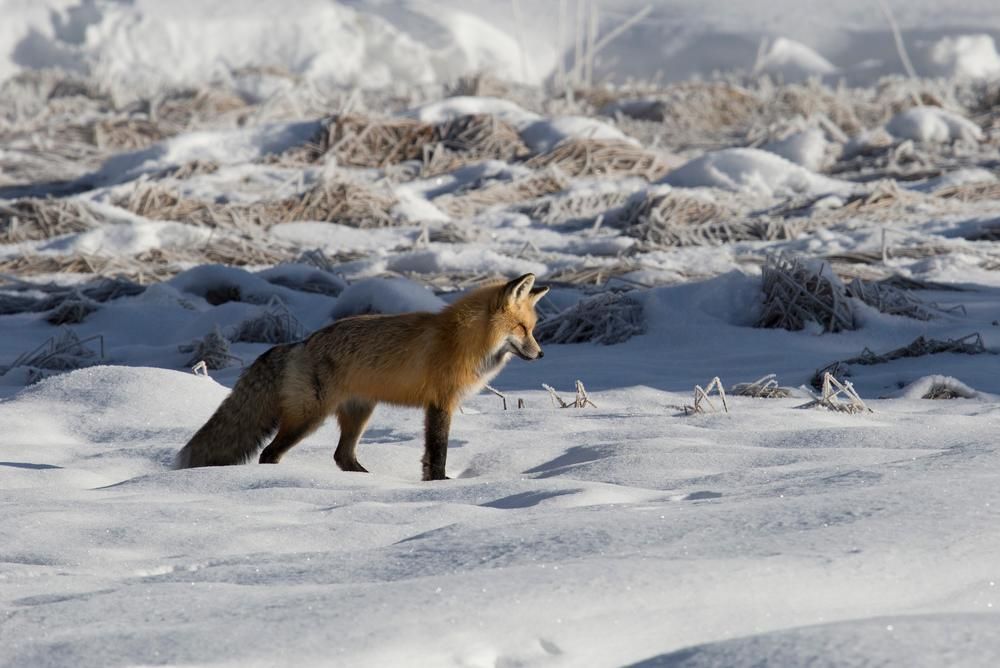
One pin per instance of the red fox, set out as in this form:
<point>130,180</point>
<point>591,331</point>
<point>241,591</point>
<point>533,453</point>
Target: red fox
<point>427,360</point>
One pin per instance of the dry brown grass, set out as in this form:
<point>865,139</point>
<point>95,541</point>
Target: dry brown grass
<point>35,219</point>
<point>339,202</point>
<point>473,202</point>
<point>362,141</point>
<point>601,157</point>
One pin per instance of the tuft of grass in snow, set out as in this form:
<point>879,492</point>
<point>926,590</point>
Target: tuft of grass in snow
<point>472,202</point>
<point>362,141</point>
<point>837,396</point>
<point>274,324</point>
<point>35,219</point>
<point>797,293</point>
<point>212,349</point>
<point>338,202</point>
<point>63,352</point>
<point>971,344</point>
<point>607,318</point>
<point>578,157</point>
<point>765,387</point>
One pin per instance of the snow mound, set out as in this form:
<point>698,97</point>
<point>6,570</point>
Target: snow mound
<point>142,399</point>
<point>966,639</point>
<point>224,147</point>
<point>808,148</point>
<point>938,386</point>
<point>543,135</point>
<point>752,170</point>
<point>791,61</point>
<point>453,107</point>
<point>442,258</point>
<point>932,125</point>
<point>964,57</point>
<point>385,295</point>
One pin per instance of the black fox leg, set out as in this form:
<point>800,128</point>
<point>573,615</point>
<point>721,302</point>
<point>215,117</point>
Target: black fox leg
<point>289,434</point>
<point>436,443</point>
<point>352,416</point>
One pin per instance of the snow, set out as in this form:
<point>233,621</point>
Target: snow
<point>463,105</point>
<point>385,295</point>
<point>934,125</point>
<point>543,135</point>
<point>754,171</point>
<point>145,45</point>
<point>791,61</point>
<point>965,57</point>
<point>808,148</point>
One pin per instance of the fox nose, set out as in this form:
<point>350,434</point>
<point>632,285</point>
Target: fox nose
<point>541,354</point>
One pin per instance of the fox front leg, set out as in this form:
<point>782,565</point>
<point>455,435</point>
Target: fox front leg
<point>436,428</point>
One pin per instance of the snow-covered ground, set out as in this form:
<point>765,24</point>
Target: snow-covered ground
<point>187,182</point>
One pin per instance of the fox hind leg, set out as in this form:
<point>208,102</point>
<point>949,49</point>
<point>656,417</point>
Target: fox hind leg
<point>288,436</point>
<point>352,416</point>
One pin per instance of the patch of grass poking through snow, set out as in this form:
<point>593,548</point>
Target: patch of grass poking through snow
<point>275,324</point>
<point>703,401</point>
<point>601,157</point>
<point>837,396</point>
<point>765,387</point>
<point>72,311</point>
<point>670,219</point>
<point>797,294</point>
<point>360,141</point>
<point>473,202</point>
<point>345,203</point>
<point>606,318</point>
<point>213,350</point>
<point>971,344</point>
<point>36,219</point>
<point>580,400</point>
<point>574,208</point>
<point>63,352</point>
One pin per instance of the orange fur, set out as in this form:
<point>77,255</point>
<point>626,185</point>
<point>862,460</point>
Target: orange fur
<point>429,360</point>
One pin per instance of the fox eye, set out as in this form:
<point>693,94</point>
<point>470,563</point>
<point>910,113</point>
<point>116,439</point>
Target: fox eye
<point>524,330</point>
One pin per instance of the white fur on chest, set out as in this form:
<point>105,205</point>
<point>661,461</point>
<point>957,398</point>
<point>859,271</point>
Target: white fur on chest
<point>490,366</point>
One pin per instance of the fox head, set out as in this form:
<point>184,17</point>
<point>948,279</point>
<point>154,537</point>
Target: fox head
<point>514,318</point>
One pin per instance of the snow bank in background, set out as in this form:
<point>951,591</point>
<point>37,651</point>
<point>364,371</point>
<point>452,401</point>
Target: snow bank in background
<point>142,46</point>
<point>753,170</point>
<point>932,125</point>
<point>371,43</point>
<point>964,56</point>
<point>790,61</point>
<point>385,295</point>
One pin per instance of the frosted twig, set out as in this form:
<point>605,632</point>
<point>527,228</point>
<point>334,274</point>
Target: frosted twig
<point>701,398</point>
<point>503,397</point>
<point>833,389</point>
<point>581,400</point>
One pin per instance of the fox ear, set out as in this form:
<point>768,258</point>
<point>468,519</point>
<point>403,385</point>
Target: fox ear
<point>536,294</point>
<point>519,288</point>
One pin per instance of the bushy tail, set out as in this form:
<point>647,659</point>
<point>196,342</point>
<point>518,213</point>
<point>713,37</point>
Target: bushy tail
<point>247,417</point>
